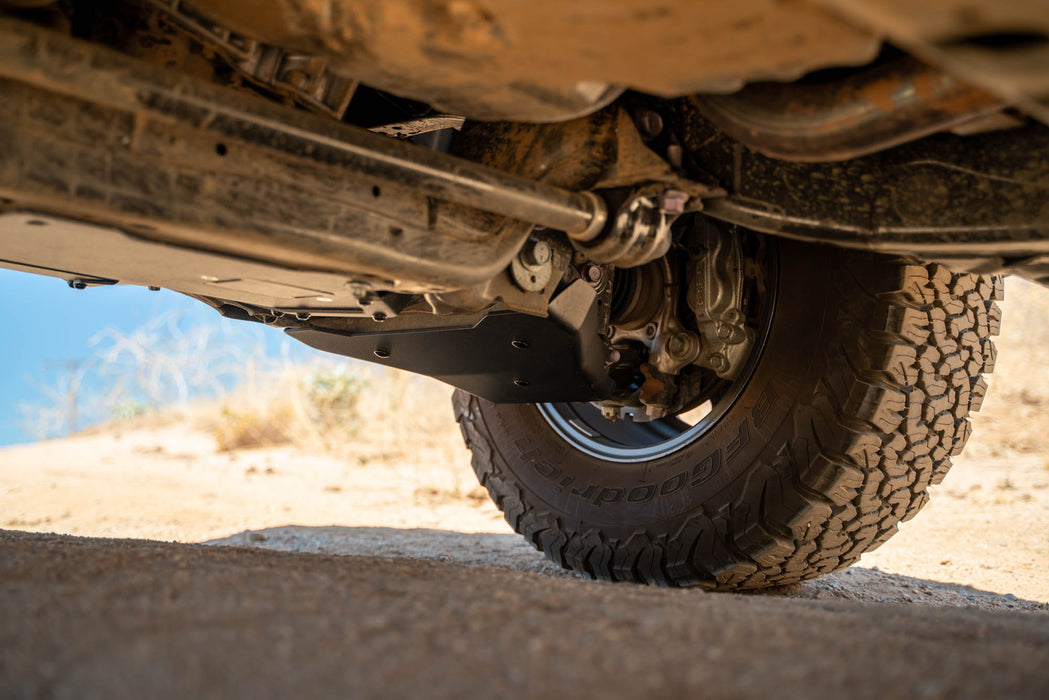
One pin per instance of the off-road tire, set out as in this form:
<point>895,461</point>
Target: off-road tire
<point>857,402</point>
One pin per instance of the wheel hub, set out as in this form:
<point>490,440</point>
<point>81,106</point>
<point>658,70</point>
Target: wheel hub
<point>684,333</point>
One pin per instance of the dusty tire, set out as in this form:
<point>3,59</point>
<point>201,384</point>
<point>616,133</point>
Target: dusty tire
<point>858,400</point>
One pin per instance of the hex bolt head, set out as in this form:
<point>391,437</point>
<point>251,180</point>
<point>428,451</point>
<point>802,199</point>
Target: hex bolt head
<point>725,332</point>
<point>678,345</point>
<point>537,254</point>
<point>717,362</point>
<point>594,274</point>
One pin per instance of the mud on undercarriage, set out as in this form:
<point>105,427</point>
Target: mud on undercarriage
<point>586,233</point>
<point>698,339</point>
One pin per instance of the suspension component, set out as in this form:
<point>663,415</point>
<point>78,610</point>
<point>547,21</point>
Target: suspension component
<point>364,204</point>
<point>534,265</point>
<point>640,232</point>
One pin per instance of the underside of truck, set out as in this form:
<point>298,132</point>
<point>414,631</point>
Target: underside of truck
<point>715,281</point>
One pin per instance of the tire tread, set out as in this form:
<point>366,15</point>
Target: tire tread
<point>882,425</point>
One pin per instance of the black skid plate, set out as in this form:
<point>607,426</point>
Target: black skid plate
<point>506,357</point>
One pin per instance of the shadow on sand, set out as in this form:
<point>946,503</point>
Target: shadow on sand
<point>507,551</point>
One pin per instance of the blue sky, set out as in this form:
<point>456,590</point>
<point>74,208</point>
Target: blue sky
<point>49,325</point>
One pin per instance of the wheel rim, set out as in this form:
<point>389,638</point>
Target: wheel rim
<point>583,426</point>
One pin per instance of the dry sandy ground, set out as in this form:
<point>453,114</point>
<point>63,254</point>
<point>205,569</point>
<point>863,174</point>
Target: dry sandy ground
<point>99,608</point>
<point>126,618</point>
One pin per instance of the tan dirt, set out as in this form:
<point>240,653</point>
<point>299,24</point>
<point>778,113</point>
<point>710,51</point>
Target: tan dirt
<point>534,60</point>
<point>426,589</point>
